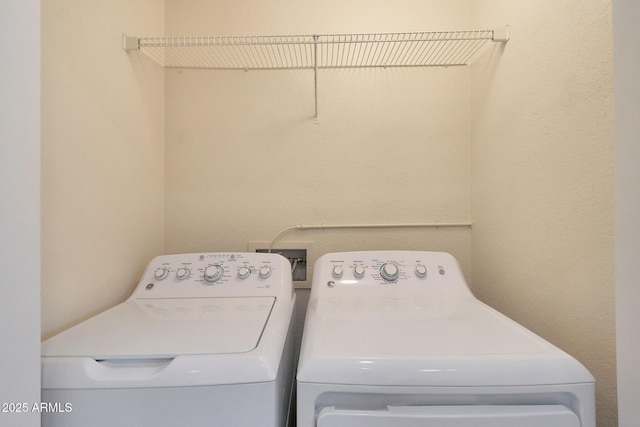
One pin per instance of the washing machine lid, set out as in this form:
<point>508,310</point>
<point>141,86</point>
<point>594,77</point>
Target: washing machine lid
<point>420,342</point>
<point>166,328</point>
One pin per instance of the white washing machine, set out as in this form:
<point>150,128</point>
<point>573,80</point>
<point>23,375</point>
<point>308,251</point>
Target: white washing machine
<point>397,339</point>
<point>204,340</point>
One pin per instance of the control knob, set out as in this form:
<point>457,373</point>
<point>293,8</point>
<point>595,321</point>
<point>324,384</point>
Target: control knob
<point>264,272</point>
<point>244,272</point>
<point>182,273</point>
<point>389,271</point>
<point>161,273</point>
<point>358,271</point>
<point>213,273</point>
<point>337,271</point>
<point>421,270</point>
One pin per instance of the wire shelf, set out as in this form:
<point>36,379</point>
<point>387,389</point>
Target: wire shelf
<point>316,52</point>
<point>422,49</point>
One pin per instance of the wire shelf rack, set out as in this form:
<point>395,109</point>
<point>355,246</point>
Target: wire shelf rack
<point>423,49</point>
<point>316,52</point>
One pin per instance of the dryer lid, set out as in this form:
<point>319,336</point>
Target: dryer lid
<point>421,342</point>
<point>166,328</point>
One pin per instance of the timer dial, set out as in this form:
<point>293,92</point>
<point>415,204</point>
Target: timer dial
<point>389,271</point>
<point>213,273</point>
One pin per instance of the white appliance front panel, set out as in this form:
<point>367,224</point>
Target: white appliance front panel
<point>452,416</point>
<point>314,398</point>
<point>166,328</point>
<point>238,405</point>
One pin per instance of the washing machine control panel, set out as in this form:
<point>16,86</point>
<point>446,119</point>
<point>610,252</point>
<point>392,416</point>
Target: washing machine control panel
<point>216,275</point>
<point>388,271</point>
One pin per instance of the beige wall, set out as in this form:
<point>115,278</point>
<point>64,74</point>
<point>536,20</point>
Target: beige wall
<point>245,159</point>
<point>542,188</point>
<point>102,156</point>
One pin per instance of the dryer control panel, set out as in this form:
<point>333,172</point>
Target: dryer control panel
<point>399,273</point>
<point>220,274</point>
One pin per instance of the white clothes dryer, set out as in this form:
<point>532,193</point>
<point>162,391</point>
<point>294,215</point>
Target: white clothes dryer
<point>396,338</point>
<point>204,340</point>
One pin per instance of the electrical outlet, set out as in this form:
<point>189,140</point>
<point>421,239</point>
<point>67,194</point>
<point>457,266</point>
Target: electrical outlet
<point>298,254</point>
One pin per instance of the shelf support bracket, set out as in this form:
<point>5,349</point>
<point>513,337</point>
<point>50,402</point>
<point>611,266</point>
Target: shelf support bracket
<point>130,43</point>
<point>501,34</point>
